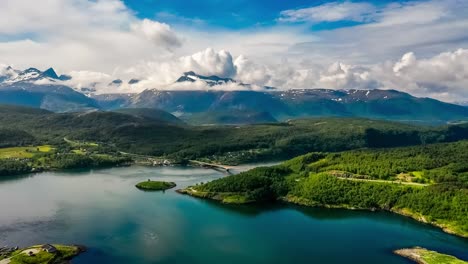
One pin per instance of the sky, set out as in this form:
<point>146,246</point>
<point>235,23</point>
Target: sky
<point>420,47</point>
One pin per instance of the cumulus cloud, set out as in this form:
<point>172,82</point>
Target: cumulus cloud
<point>160,73</point>
<point>396,46</point>
<point>444,76</point>
<point>342,76</point>
<point>250,72</point>
<point>408,60</point>
<point>87,79</point>
<point>210,62</point>
<point>330,12</point>
<point>158,33</point>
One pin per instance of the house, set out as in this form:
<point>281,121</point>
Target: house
<point>49,248</point>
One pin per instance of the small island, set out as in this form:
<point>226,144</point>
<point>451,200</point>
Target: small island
<point>425,256</point>
<point>39,254</point>
<point>155,185</point>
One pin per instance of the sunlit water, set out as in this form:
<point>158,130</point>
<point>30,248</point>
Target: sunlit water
<point>121,224</point>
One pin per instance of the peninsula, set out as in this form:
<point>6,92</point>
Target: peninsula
<point>425,256</point>
<point>40,254</point>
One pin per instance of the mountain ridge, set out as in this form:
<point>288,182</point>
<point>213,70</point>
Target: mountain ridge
<point>24,88</point>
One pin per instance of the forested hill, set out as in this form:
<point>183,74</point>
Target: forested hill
<point>225,144</point>
<point>153,114</point>
<point>428,183</point>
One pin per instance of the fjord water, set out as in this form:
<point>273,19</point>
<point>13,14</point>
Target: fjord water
<point>121,224</point>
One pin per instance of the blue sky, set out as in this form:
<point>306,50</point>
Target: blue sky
<point>418,46</point>
<point>233,14</point>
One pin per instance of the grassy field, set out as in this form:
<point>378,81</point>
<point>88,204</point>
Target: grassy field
<point>385,181</point>
<point>75,143</point>
<point>422,255</point>
<point>155,185</point>
<point>41,257</point>
<point>38,258</point>
<point>23,152</point>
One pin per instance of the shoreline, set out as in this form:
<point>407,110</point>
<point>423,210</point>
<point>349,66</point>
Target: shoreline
<point>224,197</point>
<point>424,256</point>
<point>42,170</point>
<point>400,212</point>
<point>411,254</point>
<point>56,253</point>
<point>221,198</point>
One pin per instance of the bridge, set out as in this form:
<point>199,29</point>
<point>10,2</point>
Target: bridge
<point>220,167</point>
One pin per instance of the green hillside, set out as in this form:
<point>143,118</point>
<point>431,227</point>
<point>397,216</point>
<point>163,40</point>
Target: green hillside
<point>231,117</point>
<point>224,144</point>
<point>153,114</point>
<point>428,183</point>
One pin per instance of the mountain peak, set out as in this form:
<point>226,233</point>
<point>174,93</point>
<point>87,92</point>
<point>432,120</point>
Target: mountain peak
<point>116,82</point>
<point>212,80</point>
<point>190,73</point>
<point>50,73</point>
<point>31,75</point>
<point>133,81</point>
<point>31,70</point>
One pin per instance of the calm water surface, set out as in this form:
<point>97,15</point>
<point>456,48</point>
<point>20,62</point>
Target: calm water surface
<point>121,224</point>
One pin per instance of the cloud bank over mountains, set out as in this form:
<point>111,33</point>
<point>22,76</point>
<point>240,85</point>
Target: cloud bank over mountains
<point>420,47</point>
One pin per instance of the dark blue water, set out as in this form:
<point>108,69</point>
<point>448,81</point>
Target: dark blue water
<point>120,224</point>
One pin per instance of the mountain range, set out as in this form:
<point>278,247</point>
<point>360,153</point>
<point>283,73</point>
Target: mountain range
<point>48,90</point>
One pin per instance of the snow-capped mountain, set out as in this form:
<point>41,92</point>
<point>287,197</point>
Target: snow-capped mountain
<point>31,75</point>
<point>210,80</point>
<point>87,85</point>
<point>7,73</point>
<point>380,104</point>
<point>216,81</point>
<point>42,89</point>
<point>47,89</point>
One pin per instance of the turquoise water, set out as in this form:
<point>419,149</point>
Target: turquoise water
<point>121,224</point>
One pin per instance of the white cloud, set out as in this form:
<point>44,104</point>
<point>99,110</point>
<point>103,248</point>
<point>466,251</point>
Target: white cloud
<point>200,85</point>
<point>411,12</point>
<point>330,12</point>
<point>408,60</point>
<point>86,79</point>
<point>59,16</point>
<point>158,33</point>
<point>342,76</point>
<point>86,37</point>
<point>210,62</point>
<point>416,12</point>
<point>160,73</point>
<point>251,72</point>
<point>101,35</point>
<point>444,76</point>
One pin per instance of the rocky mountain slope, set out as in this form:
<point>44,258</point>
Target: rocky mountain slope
<point>47,90</point>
